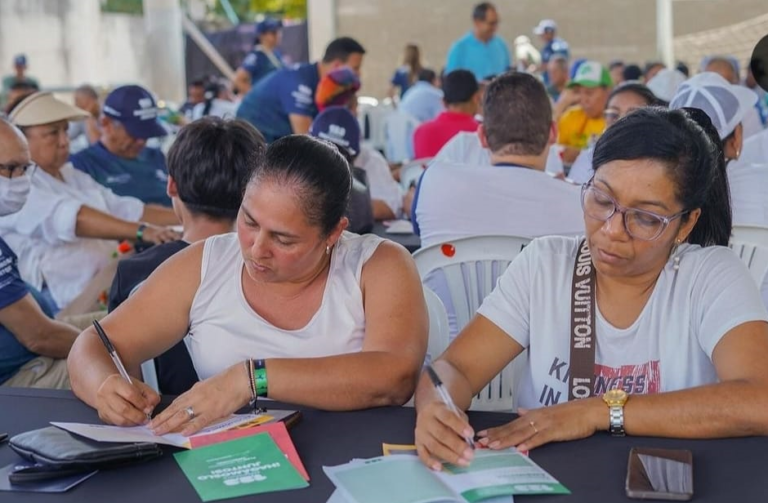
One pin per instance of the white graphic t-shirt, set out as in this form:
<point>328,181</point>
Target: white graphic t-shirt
<point>669,347</point>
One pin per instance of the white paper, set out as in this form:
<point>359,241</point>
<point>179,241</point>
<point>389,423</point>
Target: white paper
<point>400,227</point>
<point>121,434</point>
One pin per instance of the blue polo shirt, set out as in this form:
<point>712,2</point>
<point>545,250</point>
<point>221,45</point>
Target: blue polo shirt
<point>555,46</point>
<point>12,289</point>
<point>259,65</point>
<point>481,58</point>
<point>284,92</point>
<point>144,177</point>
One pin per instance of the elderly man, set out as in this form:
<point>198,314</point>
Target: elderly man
<point>69,228</point>
<point>32,345</point>
<point>121,160</point>
<point>480,51</point>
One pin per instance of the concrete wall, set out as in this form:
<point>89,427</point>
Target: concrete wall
<point>68,42</point>
<point>599,29</point>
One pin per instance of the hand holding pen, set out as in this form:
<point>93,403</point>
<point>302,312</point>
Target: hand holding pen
<point>121,400</point>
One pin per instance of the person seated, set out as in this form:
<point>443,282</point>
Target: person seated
<point>728,68</point>
<point>679,337</point>
<point>424,100</point>
<point>70,226</point>
<point>218,102</point>
<point>208,168</point>
<point>333,320</point>
<point>121,160</point>
<point>339,126</point>
<point>33,346</point>
<point>461,96</point>
<point>513,195</point>
<point>85,133</point>
<point>581,125</point>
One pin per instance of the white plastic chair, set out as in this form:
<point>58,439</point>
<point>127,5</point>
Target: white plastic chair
<point>471,267</point>
<point>148,370</point>
<point>755,257</point>
<point>371,115</point>
<point>412,171</point>
<point>750,234</point>
<point>398,131</point>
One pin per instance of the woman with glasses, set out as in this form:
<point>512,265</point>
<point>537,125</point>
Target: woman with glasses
<point>647,326</point>
<point>624,99</point>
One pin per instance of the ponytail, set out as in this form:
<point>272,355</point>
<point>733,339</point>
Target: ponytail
<point>686,142</point>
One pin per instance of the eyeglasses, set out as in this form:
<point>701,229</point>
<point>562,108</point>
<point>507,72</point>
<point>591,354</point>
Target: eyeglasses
<point>13,170</point>
<point>640,224</point>
<point>611,116</point>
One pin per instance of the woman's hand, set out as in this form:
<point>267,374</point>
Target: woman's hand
<point>207,401</point>
<point>566,421</point>
<point>121,403</point>
<point>440,436</point>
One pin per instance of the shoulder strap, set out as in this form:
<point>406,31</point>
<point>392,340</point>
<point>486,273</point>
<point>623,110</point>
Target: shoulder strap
<point>581,378</point>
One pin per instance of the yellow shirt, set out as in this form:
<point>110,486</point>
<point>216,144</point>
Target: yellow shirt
<point>575,129</point>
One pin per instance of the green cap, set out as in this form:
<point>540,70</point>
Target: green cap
<point>591,74</point>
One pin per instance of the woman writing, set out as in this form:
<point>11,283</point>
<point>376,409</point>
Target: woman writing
<point>336,320</point>
<point>665,336</point>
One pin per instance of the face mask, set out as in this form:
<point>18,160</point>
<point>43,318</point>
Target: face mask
<point>13,194</point>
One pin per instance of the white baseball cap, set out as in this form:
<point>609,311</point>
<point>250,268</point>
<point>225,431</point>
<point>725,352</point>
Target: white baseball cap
<point>726,104</point>
<point>544,25</point>
<point>665,83</point>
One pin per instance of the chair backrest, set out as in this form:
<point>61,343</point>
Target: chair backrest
<point>438,325</point>
<point>750,234</point>
<point>412,171</point>
<point>755,257</point>
<point>371,118</point>
<point>148,370</point>
<point>398,131</point>
<point>471,267</point>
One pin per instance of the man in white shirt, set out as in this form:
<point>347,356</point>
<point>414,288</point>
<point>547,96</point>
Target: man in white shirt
<point>513,195</point>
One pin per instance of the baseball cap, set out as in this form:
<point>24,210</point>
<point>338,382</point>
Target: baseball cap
<point>336,88</point>
<point>591,74</point>
<point>135,109</point>
<point>665,83</point>
<point>545,25</point>
<point>43,108</point>
<point>339,126</point>
<point>268,26</point>
<point>20,60</point>
<point>725,104</point>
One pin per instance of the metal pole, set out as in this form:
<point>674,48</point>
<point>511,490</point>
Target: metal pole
<point>665,33</point>
<point>208,49</point>
<point>230,12</point>
<point>165,47</point>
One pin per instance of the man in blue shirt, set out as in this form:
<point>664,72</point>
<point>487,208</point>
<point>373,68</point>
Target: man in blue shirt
<point>547,31</point>
<point>264,59</point>
<point>283,103</point>
<point>424,100</point>
<point>480,50</point>
<point>120,160</point>
<point>33,347</point>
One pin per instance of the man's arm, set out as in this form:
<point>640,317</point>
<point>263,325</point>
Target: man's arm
<point>242,81</point>
<point>159,215</point>
<point>35,331</point>
<point>300,124</point>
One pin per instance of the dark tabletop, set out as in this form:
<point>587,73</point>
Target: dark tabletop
<point>411,242</point>
<point>734,470</point>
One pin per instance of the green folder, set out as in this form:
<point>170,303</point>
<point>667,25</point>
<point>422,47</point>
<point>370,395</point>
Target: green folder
<point>250,465</point>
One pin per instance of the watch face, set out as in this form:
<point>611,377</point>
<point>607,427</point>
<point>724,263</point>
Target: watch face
<point>615,397</point>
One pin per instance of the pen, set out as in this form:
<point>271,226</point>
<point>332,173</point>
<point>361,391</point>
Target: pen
<point>113,354</point>
<point>446,398</point>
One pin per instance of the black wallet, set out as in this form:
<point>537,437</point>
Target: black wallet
<point>57,452</point>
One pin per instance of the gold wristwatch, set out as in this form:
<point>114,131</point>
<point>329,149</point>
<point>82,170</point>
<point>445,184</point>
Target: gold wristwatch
<point>615,400</point>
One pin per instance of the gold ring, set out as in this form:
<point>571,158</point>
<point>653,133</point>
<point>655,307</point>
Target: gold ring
<point>533,426</point>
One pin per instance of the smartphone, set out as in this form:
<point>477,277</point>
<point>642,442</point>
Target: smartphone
<point>660,474</point>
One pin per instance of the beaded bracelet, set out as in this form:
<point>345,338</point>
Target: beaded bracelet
<point>260,377</point>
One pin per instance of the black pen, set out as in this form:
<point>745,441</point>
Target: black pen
<point>113,354</point>
<point>446,398</point>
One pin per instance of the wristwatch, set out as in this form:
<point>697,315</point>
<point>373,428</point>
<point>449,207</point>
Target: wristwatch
<point>615,400</point>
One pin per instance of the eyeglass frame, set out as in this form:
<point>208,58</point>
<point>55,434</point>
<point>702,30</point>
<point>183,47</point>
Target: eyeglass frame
<point>12,168</point>
<point>617,208</point>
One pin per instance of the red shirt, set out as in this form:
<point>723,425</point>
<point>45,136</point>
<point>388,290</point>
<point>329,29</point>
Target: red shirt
<point>430,137</point>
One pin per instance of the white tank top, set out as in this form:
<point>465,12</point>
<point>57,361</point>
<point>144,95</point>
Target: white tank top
<point>225,330</point>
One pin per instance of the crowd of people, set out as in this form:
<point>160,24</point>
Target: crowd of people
<point>250,271</point>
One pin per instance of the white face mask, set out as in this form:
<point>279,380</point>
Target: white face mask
<point>13,194</point>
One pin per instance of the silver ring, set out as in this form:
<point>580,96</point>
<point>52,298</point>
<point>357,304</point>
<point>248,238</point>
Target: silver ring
<point>190,412</point>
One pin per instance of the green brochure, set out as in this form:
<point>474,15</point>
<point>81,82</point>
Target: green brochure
<point>404,479</point>
<point>249,465</point>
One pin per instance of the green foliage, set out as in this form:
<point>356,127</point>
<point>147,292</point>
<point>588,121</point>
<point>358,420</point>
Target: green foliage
<point>247,10</point>
<point>134,7</point>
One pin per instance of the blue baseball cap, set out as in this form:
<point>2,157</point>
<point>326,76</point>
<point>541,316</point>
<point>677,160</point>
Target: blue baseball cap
<point>268,26</point>
<point>136,110</point>
<point>20,60</point>
<point>339,126</point>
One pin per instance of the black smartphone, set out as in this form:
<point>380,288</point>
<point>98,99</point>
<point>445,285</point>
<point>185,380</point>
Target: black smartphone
<point>660,474</point>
